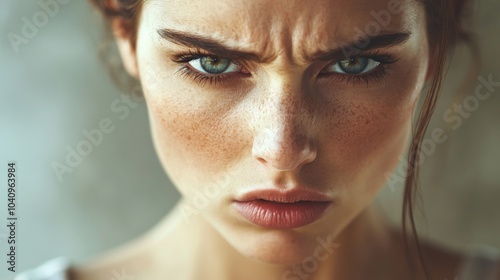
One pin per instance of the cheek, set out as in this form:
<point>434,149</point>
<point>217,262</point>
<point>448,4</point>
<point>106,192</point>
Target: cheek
<point>380,143</point>
<point>194,142</point>
<point>368,134</point>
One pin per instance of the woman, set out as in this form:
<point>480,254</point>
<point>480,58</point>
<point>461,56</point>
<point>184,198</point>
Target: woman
<point>278,121</point>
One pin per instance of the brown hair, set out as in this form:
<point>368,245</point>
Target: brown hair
<point>446,21</point>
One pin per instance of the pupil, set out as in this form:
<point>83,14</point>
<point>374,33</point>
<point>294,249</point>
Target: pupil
<point>354,65</point>
<point>214,65</point>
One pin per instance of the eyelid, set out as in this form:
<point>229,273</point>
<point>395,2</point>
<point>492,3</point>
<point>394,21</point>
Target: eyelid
<point>340,71</point>
<point>377,56</point>
<point>190,56</point>
<point>376,74</point>
<point>202,78</point>
<point>197,61</point>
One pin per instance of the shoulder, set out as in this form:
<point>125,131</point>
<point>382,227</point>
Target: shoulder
<point>120,263</point>
<point>127,267</point>
<point>445,263</point>
<point>479,262</point>
<point>54,269</point>
<point>132,260</point>
<point>442,262</point>
<point>151,256</point>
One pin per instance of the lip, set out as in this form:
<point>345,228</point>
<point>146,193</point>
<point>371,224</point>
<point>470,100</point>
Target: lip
<point>271,208</point>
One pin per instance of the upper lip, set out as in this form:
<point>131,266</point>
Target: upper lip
<point>292,195</point>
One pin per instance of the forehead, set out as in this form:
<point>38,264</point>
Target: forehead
<point>271,25</point>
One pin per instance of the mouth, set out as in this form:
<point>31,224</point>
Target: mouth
<point>282,209</point>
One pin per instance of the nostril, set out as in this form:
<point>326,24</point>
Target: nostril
<point>284,148</point>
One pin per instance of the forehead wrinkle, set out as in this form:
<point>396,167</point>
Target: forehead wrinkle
<point>281,33</point>
<point>247,35</point>
<point>311,35</point>
<point>336,36</point>
<point>290,30</point>
<point>246,29</point>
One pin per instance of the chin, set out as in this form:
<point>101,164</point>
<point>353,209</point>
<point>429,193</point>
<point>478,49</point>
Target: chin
<point>280,247</point>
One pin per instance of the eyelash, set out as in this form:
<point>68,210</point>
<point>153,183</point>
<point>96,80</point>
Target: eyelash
<point>196,76</point>
<point>376,75</point>
<point>379,73</point>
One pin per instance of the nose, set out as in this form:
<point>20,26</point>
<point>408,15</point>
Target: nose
<point>284,138</point>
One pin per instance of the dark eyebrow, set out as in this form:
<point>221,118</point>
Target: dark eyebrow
<point>219,49</point>
<point>363,45</point>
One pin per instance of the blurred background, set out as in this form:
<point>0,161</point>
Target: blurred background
<point>55,90</point>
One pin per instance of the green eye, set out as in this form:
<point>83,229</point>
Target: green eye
<point>213,65</point>
<point>355,66</point>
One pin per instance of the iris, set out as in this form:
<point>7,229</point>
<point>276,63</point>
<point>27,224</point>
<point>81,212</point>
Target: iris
<point>214,65</point>
<point>355,65</point>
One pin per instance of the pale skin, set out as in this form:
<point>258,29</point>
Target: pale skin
<point>283,118</point>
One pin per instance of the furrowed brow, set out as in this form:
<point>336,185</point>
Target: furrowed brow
<point>363,45</point>
<point>218,48</point>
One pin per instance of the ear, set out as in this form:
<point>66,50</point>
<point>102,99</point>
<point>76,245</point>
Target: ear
<point>121,31</point>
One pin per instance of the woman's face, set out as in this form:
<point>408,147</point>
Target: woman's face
<point>272,103</point>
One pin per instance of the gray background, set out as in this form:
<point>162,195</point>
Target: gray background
<point>56,86</point>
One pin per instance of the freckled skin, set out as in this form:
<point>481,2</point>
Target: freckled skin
<point>282,126</point>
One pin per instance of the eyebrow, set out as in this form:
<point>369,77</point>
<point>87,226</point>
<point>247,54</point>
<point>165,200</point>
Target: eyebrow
<point>364,44</point>
<point>213,46</point>
<point>218,48</point>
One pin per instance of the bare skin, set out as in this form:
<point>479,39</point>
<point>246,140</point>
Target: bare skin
<point>194,253</point>
<point>280,117</point>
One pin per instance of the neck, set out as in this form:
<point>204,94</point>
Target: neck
<point>365,239</point>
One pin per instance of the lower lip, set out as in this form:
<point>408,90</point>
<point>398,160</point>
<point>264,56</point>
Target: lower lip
<point>277,215</point>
